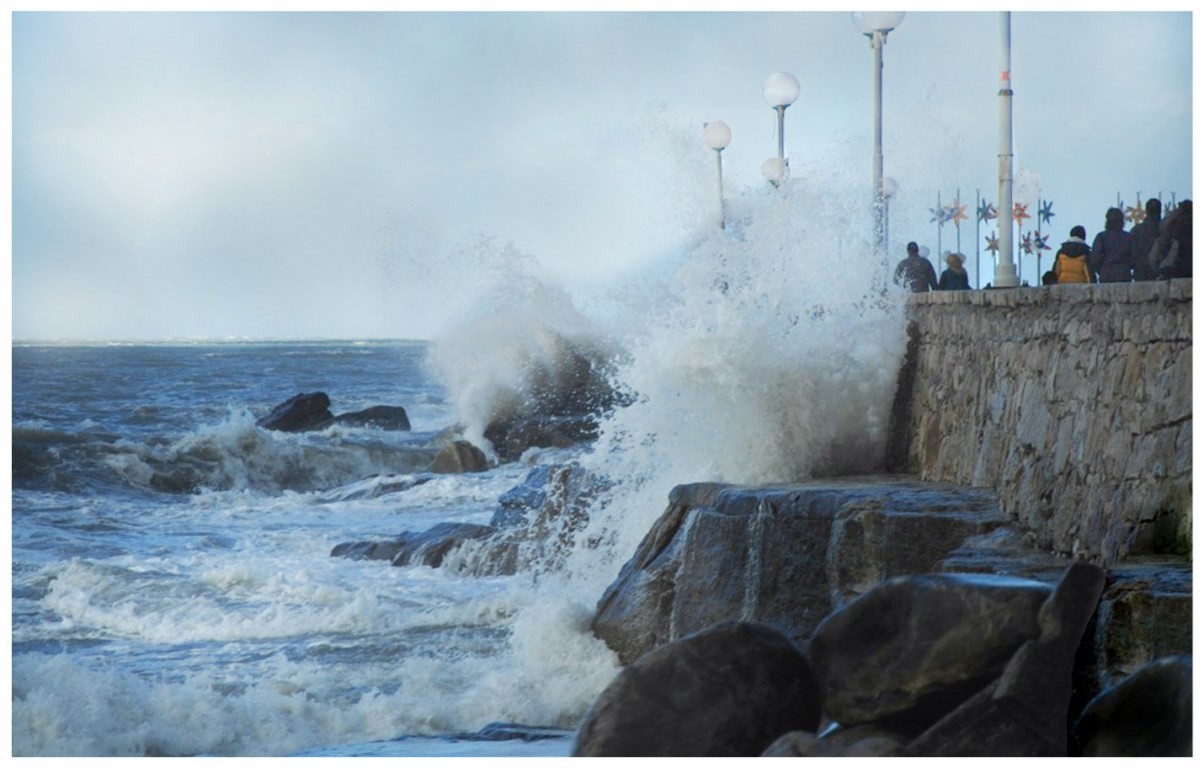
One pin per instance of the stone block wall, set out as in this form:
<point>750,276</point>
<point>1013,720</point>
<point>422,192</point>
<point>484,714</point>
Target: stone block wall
<point>1072,402</point>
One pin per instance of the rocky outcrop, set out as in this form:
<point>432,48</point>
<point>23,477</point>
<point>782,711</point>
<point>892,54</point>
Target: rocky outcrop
<point>918,666</point>
<point>308,411</point>
<point>728,691</point>
<point>785,556</point>
<point>457,457</point>
<point>389,417</point>
<point>428,547</point>
<point>301,412</point>
<point>1073,402</point>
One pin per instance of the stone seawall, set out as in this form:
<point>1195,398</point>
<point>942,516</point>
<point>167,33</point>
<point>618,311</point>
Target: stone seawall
<point>1072,402</point>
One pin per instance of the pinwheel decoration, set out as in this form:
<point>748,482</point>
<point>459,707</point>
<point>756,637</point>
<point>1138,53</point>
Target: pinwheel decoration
<point>1045,211</point>
<point>1019,212</point>
<point>1027,243</point>
<point>957,213</point>
<point>1041,243</point>
<point>986,211</point>
<point>1135,213</point>
<point>993,243</point>
<point>939,215</point>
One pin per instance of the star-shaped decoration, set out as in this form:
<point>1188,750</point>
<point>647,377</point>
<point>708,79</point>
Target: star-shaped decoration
<point>939,215</point>
<point>993,243</point>
<point>1135,213</point>
<point>957,213</point>
<point>986,211</point>
<point>1040,242</point>
<point>1027,243</point>
<point>1045,211</point>
<point>1020,211</point>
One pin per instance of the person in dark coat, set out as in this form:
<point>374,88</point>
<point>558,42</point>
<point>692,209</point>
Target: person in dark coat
<point>915,272</point>
<point>954,278</point>
<point>1143,236</point>
<point>1112,252</point>
<point>1175,244</point>
<point>1070,265</point>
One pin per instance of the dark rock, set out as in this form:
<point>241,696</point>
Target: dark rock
<point>516,505</point>
<point>428,547</point>
<point>858,741</point>
<point>460,456</point>
<point>511,438</point>
<point>914,647</point>
<point>300,413</point>
<point>513,731</point>
<point>1024,713</point>
<point>728,691</point>
<point>786,556</point>
<point>390,417</point>
<point>1148,714</point>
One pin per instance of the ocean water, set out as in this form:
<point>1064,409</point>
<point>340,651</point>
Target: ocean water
<point>173,591</point>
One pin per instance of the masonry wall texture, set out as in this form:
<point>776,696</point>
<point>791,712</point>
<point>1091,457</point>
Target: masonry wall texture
<point>1072,402</point>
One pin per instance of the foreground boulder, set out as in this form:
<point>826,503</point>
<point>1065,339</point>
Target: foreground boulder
<point>728,691</point>
<point>1148,714</point>
<point>301,412</point>
<point>1024,712</point>
<point>914,647</point>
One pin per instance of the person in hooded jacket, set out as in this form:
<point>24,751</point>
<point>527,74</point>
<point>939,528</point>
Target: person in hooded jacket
<point>1111,258</point>
<point>1174,252</point>
<point>1143,236</point>
<point>1070,265</point>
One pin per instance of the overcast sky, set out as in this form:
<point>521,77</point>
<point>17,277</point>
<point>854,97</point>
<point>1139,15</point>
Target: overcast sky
<point>333,174</point>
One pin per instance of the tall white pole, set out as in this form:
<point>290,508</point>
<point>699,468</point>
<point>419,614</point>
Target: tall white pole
<point>722,215</point>
<point>1005,270</point>
<point>878,38</point>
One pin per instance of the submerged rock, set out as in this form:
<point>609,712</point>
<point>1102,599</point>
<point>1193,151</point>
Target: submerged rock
<point>428,547</point>
<point>301,412</point>
<point>728,691</point>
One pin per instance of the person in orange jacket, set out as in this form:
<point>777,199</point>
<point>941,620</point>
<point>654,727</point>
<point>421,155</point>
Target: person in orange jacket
<point>1070,266</point>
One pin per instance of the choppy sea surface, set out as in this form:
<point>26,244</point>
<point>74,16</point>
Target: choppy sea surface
<point>173,591</point>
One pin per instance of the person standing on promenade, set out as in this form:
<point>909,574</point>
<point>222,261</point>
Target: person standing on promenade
<point>1070,265</point>
<point>1112,252</point>
<point>915,272</point>
<point>954,278</point>
<point>1143,237</point>
<point>1174,247</point>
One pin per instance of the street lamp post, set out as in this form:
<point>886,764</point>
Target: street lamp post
<point>876,25</point>
<point>781,90</point>
<point>889,189</point>
<point>717,136</point>
<point>1005,268</point>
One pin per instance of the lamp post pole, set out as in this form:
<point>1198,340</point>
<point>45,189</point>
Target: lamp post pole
<point>876,25</point>
<point>1005,268</point>
<point>717,136</point>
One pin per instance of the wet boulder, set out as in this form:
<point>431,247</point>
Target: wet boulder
<point>727,691</point>
<point>429,547</point>
<point>858,741</point>
<point>388,417</point>
<point>458,457</point>
<point>1148,714</point>
<point>300,413</point>
<point>914,647</point>
<point>1024,712</point>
